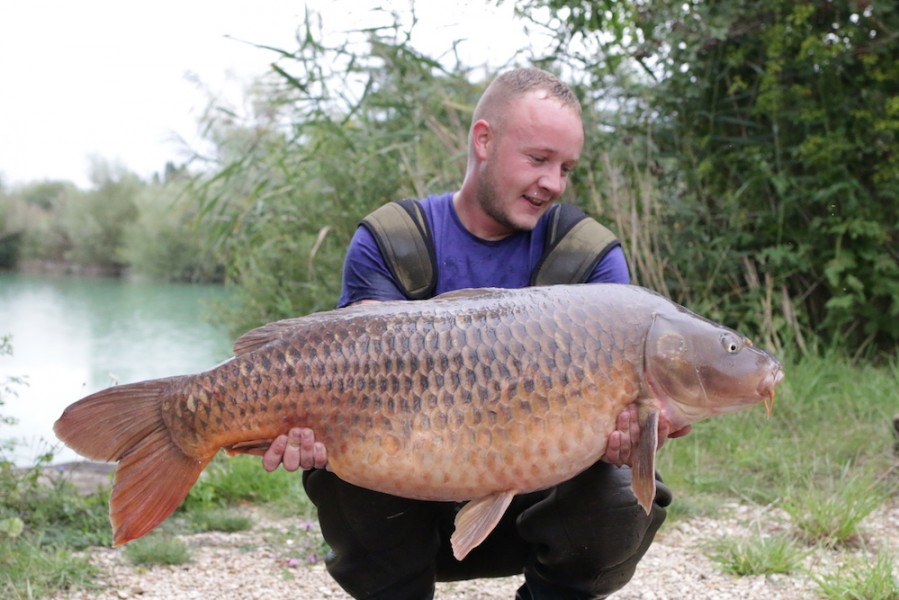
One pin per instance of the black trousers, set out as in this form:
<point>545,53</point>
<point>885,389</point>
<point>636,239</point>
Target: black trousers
<point>581,539</point>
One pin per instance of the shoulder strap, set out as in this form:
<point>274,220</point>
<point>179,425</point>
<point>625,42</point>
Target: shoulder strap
<point>574,245</point>
<point>404,239</point>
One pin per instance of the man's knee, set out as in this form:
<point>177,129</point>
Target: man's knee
<point>382,546</point>
<point>590,533</point>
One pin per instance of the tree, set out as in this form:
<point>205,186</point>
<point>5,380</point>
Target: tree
<point>335,133</point>
<point>95,220</point>
<point>775,123</point>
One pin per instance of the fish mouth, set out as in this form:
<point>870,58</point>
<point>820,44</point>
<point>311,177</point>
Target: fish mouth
<point>767,386</point>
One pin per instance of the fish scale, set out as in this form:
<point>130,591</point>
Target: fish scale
<point>475,395</point>
<point>340,382</point>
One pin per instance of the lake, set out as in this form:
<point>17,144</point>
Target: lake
<point>73,336</point>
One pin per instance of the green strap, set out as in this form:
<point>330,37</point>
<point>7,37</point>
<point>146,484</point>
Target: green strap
<point>403,237</point>
<point>575,245</point>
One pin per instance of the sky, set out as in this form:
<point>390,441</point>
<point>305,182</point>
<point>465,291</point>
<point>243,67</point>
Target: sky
<point>127,82</point>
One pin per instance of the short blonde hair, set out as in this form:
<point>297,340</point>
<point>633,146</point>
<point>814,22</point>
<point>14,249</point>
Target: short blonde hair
<point>516,83</point>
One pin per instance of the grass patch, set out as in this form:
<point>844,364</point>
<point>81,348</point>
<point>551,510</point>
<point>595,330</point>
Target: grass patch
<point>241,479</point>
<point>157,549</point>
<point>52,511</point>
<point>32,569</point>
<point>829,417</point>
<point>758,556</point>
<point>861,580</point>
<point>220,520</point>
<point>42,524</point>
<point>828,511</point>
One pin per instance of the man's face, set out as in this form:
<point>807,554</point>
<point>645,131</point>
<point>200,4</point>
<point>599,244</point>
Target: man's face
<point>528,161</point>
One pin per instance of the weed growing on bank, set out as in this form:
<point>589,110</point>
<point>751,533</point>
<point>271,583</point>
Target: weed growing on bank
<point>758,555</point>
<point>861,579</point>
<point>157,549</point>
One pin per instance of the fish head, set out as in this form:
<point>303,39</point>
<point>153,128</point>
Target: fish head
<point>697,368</point>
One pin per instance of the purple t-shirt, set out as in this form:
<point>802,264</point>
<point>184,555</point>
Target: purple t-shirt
<point>463,260</point>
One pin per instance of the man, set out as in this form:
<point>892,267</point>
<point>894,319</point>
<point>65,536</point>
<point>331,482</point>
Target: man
<point>581,539</point>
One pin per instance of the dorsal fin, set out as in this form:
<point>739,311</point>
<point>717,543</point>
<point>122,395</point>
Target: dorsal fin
<point>262,335</point>
<point>471,293</point>
<point>259,337</point>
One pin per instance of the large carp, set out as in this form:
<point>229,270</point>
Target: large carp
<point>475,395</point>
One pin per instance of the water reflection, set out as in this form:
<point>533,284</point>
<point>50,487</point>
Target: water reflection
<point>74,336</point>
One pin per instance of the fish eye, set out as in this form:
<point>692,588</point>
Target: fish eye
<point>731,344</point>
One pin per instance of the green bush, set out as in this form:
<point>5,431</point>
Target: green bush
<point>95,222</point>
<point>165,243</point>
<point>770,129</point>
<point>34,212</point>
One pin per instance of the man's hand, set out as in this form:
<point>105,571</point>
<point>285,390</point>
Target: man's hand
<point>296,450</point>
<point>624,440</point>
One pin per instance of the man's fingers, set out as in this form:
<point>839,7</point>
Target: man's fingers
<point>613,449</point>
<point>321,457</point>
<point>634,431</point>
<point>307,449</point>
<point>298,449</point>
<point>626,436</point>
<point>272,457</point>
<point>293,452</point>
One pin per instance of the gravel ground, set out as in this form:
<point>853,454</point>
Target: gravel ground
<point>266,562</point>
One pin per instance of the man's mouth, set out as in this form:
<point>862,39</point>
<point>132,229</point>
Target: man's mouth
<point>535,201</point>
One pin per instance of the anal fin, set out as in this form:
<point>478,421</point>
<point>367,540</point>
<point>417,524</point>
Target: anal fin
<point>255,447</point>
<point>476,520</point>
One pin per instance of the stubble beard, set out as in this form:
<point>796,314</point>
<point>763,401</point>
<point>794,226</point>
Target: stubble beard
<point>491,204</point>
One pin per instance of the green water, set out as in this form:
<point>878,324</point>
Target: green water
<point>73,336</point>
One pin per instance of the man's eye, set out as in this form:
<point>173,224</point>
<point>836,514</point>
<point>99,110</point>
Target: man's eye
<point>538,159</point>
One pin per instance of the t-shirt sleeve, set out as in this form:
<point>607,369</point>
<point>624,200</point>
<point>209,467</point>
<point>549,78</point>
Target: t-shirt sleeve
<point>365,275</point>
<point>611,269</point>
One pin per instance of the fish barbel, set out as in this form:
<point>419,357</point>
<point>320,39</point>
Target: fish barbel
<point>474,395</point>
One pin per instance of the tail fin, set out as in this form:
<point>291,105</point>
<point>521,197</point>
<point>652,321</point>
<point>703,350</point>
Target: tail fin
<point>125,424</point>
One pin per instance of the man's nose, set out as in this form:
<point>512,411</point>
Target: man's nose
<point>553,182</point>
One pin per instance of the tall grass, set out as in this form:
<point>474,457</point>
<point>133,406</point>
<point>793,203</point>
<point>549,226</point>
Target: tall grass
<point>830,429</point>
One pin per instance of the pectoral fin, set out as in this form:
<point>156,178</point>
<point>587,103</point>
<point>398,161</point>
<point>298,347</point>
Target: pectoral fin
<point>476,520</point>
<point>643,472</point>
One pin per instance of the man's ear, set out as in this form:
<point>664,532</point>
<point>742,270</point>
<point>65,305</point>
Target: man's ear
<point>482,135</point>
